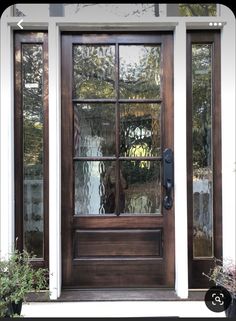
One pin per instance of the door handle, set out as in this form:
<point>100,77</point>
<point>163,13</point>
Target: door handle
<point>168,177</point>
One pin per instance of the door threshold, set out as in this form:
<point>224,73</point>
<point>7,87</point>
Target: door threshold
<point>117,294</point>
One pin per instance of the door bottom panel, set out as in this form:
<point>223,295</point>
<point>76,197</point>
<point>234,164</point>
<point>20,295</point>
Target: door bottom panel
<point>118,273</point>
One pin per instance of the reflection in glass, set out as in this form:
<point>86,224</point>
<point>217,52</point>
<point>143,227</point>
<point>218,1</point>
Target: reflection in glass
<point>95,187</point>
<point>202,150</point>
<point>140,130</point>
<point>94,71</point>
<point>94,130</point>
<point>143,187</point>
<point>139,71</point>
<point>197,9</point>
<point>32,77</point>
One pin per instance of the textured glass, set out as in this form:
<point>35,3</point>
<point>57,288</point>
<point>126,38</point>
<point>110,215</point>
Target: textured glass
<point>142,187</point>
<point>140,126</point>
<point>94,71</point>
<point>139,71</point>
<point>95,187</point>
<point>202,150</point>
<point>32,89</point>
<point>94,130</point>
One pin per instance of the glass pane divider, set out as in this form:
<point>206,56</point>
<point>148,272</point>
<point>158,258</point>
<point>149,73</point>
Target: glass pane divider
<point>97,100</point>
<point>148,101</point>
<point>117,134</point>
<point>117,158</point>
<point>93,158</point>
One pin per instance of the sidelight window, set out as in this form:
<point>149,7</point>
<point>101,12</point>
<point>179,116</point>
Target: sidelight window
<point>31,162</point>
<point>204,153</point>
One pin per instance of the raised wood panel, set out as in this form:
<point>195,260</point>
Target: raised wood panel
<point>119,273</point>
<point>137,222</point>
<point>117,243</point>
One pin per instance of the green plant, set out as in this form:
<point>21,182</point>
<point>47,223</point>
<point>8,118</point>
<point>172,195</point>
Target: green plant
<point>224,274</point>
<point>17,278</point>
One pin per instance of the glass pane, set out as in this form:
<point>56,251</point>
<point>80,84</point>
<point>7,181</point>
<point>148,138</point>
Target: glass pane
<point>197,9</point>
<point>32,82</point>
<point>140,130</point>
<point>113,12</point>
<point>94,130</point>
<point>140,71</point>
<point>95,187</point>
<point>190,9</point>
<point>94,71</point>
<point>202,150</point>
<point>141,192</point>
<point>84,12</point>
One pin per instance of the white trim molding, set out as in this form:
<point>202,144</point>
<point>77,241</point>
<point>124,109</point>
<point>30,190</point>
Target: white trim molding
<point>54,25</point>
<point>54,161</point>
<point>180,170</point>
<point>6,139</point>
<point>228,124</point>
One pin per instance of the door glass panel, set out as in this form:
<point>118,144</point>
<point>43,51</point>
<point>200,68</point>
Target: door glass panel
<point>202,150</point>
<point>140,130</point>
<point>139,71</point>
<point>33,154</point>
<point>95,187</point>
<point>141,191</point>
<point>94,71</point>
<point>94,130</point>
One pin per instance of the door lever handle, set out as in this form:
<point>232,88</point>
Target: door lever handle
<point>168,177</point>
<point>168,202</point>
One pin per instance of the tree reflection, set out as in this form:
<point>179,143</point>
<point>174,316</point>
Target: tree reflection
<point>33,123</point>
<point>139,71</point>
<point>202,150</point>
<point>32,75</point>
<point>202,78</point>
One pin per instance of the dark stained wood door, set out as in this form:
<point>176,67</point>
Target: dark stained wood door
<point>117,119</point>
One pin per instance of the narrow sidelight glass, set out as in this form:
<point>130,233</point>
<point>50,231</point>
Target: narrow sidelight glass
<point>202,150</point>
<point>33,149</point>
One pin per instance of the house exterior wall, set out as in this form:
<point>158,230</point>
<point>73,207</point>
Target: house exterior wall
<point>179,25</point>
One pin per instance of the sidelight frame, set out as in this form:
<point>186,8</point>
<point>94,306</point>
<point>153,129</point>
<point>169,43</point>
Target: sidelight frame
<point>39,38</point>
<point>197,265</point>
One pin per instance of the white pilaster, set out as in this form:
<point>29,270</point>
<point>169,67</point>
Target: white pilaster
<point>181,239</point>
<point>54,161</point>
<point>6,138</point>
<point>228,57</point>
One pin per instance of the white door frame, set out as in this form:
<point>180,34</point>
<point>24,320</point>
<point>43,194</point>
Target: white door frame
<point>179,25</point>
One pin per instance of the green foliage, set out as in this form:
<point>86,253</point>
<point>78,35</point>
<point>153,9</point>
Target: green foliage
<point>18,277</point>
<point>32,103</point>
<point>202,105</point>
<point>197,9</point>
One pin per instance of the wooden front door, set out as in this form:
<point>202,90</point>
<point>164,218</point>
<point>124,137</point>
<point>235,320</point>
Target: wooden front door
<point>117,119</point>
